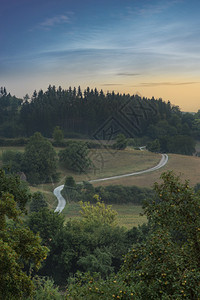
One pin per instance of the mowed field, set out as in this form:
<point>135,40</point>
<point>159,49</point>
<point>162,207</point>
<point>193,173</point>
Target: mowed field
<point>188,167</point>
<point>107,163</point>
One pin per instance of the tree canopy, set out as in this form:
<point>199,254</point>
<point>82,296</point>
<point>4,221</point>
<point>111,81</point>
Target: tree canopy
<point>120,142</point>
<point>38,202</point>
<point>94,114</point>
<point>93,242</point>
<point>58,136</point>
<point>39,161</point>
<point>164,266</point>
<point>19,247</point>
<point>75,157</point>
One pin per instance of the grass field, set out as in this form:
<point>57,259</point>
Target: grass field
<point>188,167</point>
<point>109,163</point>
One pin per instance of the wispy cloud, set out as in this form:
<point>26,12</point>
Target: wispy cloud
<point>152,84</point>
<point>56,20</point>
<point>148,9</point>
<point>128,74</point>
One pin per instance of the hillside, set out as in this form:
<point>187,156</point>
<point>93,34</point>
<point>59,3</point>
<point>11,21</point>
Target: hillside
<point>109,163</point>
<point>186,166</point>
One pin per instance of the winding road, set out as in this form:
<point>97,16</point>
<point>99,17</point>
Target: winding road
<point>62,201</point>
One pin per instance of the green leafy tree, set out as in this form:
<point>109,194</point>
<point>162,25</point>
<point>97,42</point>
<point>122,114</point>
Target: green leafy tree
<point>131,142</point>
<point>154,146</point>
<point>19,246</point>
<point>99,261</point>
<point>46,223</point>
<point>120,142</point>
<point>80,243</point>
<point>70,182</point>
<point>181,144</point>
<point>58,136</point>
<point>39,163</point>
<point>38,201</point>
<point>45,289</point>
<point>75,157</point>
<point>70,190</point>
<point>197,187</point>
<point>98,213</point>
<point>12,160</point>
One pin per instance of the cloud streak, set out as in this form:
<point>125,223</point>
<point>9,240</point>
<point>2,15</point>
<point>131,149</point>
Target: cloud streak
<point>54,21</point>
<point>111,84</point>
<point>152,84</point>
<point>128,74</point>
<point>152,9</point>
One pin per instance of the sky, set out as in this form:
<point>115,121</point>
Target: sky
<point>150,48</point>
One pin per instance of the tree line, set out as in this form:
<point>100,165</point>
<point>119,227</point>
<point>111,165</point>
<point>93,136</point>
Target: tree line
<point>87,113</point>
<point>111,194</point>
<point>39,161</point>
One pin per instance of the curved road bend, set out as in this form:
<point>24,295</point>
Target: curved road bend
<point>62,201</point>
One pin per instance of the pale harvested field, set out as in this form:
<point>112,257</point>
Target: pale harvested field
<point>186,166</point>
<point>109,163</point>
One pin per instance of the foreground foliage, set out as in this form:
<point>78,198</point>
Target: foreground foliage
<point>20,249</point>
<point>93,243</point>
<point>167,265</point>
<point>45,289</point>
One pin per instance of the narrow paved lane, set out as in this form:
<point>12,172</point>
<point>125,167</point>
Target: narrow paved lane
<point>62,201</point>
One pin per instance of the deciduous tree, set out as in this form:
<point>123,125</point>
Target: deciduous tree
<point>19,246</point>
<point>40,161</point>
<point>58,136</point>
<point>167,264</point>
<point>38,202</point>
<point>75,157</point>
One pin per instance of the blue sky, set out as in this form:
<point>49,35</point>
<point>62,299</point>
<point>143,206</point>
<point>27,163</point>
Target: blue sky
<point>147,47</point>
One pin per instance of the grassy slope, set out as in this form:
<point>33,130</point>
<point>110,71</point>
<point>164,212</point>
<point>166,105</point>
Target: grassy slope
<point>108,163</point>
<point>186,166</point>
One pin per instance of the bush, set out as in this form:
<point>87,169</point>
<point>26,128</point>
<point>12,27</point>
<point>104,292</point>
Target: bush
<point>75,157</point>
<point>120,142</point>
<point>94,145</point>
<point>13,142</point>
<point>111,194</point>
<point>154,146</point>
<point>45,289</point>
<point>12,160</point>
<point>131,142</point>
<point>38,202</point>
